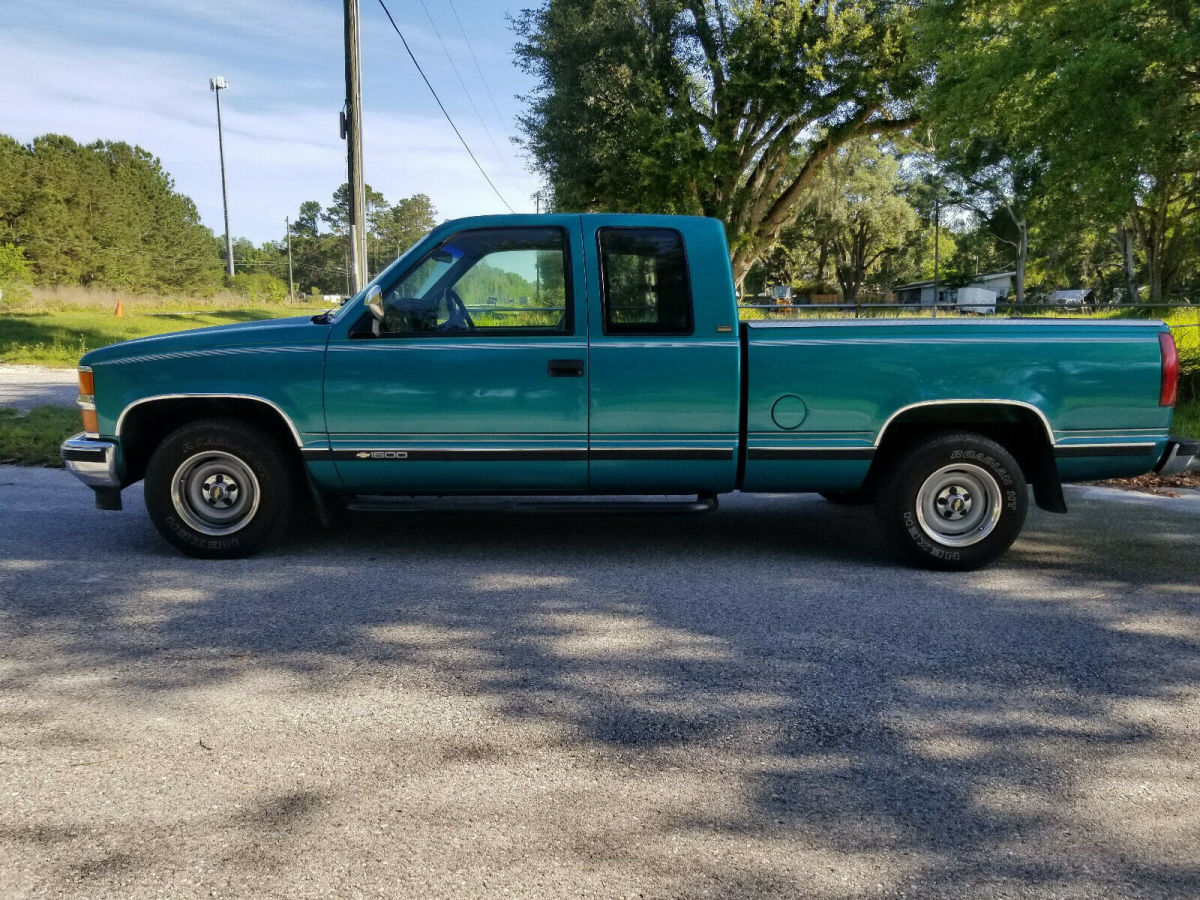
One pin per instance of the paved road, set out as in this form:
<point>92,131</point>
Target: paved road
<point>746,704</point>
<point>28,386</point>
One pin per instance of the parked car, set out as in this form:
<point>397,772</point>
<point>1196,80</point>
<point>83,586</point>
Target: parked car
<point>1073,299</point>
<point>627,372</point>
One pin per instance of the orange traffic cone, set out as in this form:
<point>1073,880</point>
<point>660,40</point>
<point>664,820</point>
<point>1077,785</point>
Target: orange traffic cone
<point>120,310</point>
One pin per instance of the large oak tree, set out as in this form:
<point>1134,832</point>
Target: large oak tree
<point>724,108</point>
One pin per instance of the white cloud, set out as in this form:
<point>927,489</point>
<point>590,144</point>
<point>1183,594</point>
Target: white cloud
<point>280,116</point>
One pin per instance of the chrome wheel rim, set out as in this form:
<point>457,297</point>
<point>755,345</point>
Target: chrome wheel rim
<point>215,493</point>
<point>959,505</point>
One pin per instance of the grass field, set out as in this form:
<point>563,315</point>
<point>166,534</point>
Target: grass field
<point>1187,419</point>
<point>33,438</point>
<point>58,337</point>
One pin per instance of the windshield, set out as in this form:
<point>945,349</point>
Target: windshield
<point>427,273</point>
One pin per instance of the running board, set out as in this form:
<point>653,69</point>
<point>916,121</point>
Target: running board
<point>584,506</point>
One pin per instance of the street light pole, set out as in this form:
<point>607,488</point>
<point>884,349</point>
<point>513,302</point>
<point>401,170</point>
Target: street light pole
<point>216,85</point>
<point>287,227</point>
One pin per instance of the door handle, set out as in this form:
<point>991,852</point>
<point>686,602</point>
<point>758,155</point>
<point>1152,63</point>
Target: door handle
<point>565,368</point>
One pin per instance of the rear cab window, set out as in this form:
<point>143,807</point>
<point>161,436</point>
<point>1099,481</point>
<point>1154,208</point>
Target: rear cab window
<point>644,279</point>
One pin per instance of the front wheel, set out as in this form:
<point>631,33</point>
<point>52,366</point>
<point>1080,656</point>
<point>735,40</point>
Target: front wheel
<point>955,502</point>
<point>218,489</point>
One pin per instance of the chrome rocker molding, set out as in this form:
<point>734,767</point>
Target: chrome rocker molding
<point>290,424</point>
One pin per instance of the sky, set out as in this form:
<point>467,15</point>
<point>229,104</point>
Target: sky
<point>138,71</point>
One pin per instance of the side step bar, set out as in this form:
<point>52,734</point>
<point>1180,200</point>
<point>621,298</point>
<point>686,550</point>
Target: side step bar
<point>583,506</point>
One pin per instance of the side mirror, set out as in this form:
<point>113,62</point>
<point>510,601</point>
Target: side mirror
<point>374,302</point>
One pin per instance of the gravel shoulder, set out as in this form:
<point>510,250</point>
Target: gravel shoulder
<point>26,387</point>
<point>753,703</point>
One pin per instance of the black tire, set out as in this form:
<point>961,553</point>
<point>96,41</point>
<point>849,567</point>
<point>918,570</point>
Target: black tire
<point>219,489</point>
<point>955,502</point>
<point>860,497</point>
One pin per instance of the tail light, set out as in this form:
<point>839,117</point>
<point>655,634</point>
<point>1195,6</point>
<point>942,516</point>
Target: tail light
<point>1170,369</point>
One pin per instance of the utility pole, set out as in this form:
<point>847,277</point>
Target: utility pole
<point>937,239</point>
<point>287,224</point>
<point>352,132</point>
<point>216,85</point>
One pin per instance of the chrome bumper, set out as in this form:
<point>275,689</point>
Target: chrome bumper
<point>91,461</point>
<point>1181,454</point>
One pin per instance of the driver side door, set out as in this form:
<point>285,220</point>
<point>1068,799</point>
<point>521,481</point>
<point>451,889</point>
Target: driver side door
<point>476,379</point>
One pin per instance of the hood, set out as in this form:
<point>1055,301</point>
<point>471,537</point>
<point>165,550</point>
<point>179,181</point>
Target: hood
<point>264,333</point>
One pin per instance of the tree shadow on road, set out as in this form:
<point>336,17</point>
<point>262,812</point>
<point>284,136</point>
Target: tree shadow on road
<point>929,734</point>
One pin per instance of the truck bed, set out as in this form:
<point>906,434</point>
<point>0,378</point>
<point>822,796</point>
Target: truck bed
<point>821,396</point>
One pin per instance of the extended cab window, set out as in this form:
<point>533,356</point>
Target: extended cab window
<point>493,280</point>
<point>645,279</point>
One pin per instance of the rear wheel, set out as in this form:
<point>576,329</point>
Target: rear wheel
<point>955,502</point>
<point>218,489</point>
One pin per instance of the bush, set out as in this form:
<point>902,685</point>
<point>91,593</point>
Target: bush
<point>258,287</point>
<point>815,287</point>
<point>1187,341</point>
<point>16,279</point>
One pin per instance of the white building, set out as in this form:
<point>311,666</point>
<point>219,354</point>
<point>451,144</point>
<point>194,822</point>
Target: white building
<point>920,293</point>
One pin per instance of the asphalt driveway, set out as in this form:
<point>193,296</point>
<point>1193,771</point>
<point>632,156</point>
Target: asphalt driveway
<point>754,703</point>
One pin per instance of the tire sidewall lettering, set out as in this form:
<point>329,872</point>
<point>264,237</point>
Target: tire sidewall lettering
<point>898,505</point>
<point>259,453</point>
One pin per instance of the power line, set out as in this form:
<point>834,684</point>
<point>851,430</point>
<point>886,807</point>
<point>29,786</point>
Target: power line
<point>442,107</point>
<point>466,90</point>
<point>471,50</point>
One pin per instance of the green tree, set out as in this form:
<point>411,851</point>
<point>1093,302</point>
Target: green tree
<point>1107,92</point>
<point>106,213</point>
<point>401,225</point>
<point>857,208</point>
<point>1000,184</point>
<point>306,223</point>
<point>708,106</point>
<point>873,218</point>
<point>15,275</point>
<point>16,187</point>
<point>337,214</point>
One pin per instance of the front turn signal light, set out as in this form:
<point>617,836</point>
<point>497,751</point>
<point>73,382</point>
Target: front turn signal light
<point>87,401</point>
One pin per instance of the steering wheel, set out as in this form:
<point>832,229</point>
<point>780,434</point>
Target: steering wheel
<point>459,319</point>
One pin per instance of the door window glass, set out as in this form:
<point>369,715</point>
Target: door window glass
<point>645,281</point>
<point>494,280</point>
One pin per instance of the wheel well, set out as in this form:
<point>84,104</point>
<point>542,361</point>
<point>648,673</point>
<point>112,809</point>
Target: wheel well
<point>1021,431</point>
<point>147,424</point>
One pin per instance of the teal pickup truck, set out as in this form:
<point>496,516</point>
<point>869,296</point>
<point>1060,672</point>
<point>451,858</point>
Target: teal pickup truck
<point>602,354</point>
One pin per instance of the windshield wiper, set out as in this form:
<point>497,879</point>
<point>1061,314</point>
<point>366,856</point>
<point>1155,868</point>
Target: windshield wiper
<point>324,318</point>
